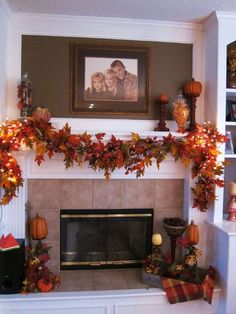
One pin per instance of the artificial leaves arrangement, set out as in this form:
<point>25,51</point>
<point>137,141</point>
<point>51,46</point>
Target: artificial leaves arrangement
<point>198,149</point>
<point>182,280</point>
<point>38,277</point>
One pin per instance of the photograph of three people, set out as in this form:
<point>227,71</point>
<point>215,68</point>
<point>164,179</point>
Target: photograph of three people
<point>109,79</point>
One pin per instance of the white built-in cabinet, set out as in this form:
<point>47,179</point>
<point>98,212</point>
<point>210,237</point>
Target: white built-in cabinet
<point>219,33</point>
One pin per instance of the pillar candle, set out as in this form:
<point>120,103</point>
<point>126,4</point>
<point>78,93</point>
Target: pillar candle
<point>156,239</point>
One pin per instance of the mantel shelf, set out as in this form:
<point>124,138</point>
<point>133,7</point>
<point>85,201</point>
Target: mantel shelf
<point>142,134</point>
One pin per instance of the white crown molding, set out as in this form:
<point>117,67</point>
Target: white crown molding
<point>89,19</point>
<point>224,15</point>
<point>113,28</point>
<point>218,17</point>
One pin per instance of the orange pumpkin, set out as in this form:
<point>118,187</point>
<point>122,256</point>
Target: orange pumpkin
<point>38,228</point>
<point>41,114</point>
<point>193,88</point>
<point>44,285</point>
<point>192,233</point>
<point>163,98</point>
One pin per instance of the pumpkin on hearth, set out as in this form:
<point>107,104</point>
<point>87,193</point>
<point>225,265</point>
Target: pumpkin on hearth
<point>41,114</point>
<point>38,228</point>
<point>44,285</point>
<point>192,233</point>
<point>193,88</point>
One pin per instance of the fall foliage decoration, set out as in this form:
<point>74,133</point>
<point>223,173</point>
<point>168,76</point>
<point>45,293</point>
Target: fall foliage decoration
<point>38,277</point>
<point>198,149</point>
<point>192,233</point>
<point>38,228</point>
<point>182,280</point>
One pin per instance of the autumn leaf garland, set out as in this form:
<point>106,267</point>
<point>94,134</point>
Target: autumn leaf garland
<point>198,150</point>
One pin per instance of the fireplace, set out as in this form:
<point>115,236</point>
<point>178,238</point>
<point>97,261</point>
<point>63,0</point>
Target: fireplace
<point>117,238</point>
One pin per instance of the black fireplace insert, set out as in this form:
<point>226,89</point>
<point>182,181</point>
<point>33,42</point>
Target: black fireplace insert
<point>105,238</point>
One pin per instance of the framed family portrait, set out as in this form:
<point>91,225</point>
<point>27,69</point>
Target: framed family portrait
<point>109,79</point>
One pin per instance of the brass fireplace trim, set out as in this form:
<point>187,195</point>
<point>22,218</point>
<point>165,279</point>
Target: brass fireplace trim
<point>100,263</point>
<point>103,215</point>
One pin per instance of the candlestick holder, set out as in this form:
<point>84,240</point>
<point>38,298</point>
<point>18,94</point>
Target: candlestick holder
<point>192,90</point>
<point>156,249</point>
<point>192,100</point>
<point>163,101</point>
<point>174,227</point>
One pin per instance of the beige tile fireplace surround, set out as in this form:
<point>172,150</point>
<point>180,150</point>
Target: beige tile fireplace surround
<point>48,196</point>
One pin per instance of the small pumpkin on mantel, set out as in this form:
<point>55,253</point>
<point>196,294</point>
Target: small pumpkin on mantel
<point>38,228</point>
<point>193,88</point>
<point>41,114</point>
<point>192,233</point>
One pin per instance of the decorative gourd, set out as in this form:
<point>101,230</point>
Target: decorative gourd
<point>38,228</point>
<point>192,233</point>
<point>193,88</point>
<point>44,285</point>
<point>41,114</point>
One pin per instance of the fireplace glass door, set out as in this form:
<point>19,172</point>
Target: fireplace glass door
<point>105,238</point>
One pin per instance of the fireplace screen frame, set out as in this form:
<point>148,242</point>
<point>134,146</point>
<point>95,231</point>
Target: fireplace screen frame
<point>112,218</point>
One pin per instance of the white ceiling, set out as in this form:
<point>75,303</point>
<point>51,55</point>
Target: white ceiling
<point>167,10</point>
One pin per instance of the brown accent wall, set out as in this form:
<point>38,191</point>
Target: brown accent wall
<point>47,197</point>
<point>46,59</point>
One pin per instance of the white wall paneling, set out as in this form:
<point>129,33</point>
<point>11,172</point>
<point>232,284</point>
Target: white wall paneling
<point>4,15</point>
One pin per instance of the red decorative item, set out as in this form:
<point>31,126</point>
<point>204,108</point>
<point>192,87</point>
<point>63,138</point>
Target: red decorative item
<point>8,243</point>
<point>192,90</point>
<point>163,101</point>
<point>24,94</point>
